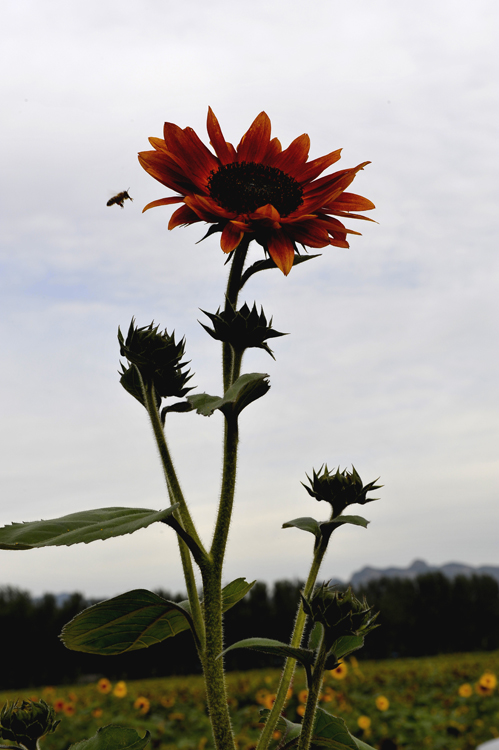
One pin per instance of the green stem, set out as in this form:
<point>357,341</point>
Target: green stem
<point>231,295</point>
<point>184,517</point>
<point>231,439</point>
<point>213,667</point>
<point>308,723</point>
<point>290,664</point>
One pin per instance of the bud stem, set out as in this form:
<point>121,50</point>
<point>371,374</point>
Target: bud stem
<point>176,496</point>
<point>314,689</point>
<point>296,638</point>
<point>231,295</point>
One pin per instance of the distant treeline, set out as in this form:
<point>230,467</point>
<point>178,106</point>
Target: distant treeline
<point>428,615</point>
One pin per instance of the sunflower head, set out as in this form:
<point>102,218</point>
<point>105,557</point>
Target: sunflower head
<point>258,189</point>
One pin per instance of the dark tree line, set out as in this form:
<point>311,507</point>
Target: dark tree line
<point>428,615</point>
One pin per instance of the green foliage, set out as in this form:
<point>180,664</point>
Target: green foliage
<point>304,656</point>
<point>246,389</point>
<point>425,709</point>
<point>136,620</point>
<point>113,738</point>
<point>85,526</point>
<point>322,530</point>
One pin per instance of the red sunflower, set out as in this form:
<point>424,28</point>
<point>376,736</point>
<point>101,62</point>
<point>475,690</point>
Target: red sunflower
<point>274,196</point>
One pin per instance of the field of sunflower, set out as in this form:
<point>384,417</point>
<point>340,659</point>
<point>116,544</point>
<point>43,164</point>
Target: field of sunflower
<point>443,702</point>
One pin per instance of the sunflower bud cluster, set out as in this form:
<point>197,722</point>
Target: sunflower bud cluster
<point>340,613</point>
<point>158,359</point>
<point>339,488</point>
<point>243,328</point>
<point>26,721</point>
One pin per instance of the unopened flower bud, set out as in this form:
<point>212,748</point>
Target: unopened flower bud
<point>243,328</point>
<point>340,613</point>
<point>339,488</point>
<point>158,359</point>
<point>26,721</point>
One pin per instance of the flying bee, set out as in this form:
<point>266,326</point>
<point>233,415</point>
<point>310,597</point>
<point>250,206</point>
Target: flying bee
<point>119,199</point>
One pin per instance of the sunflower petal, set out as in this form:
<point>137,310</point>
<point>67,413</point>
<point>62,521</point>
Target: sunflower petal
<point>292,159</point>
<point>225,151</point>
<point>282,250</point>
<point>313,168</point>
<point>163,202</point>
<point>231,237</point>
<point>255,141</point>
<point>182,216</point>
<point>352,202</point>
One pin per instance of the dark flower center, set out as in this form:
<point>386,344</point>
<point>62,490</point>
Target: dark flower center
<point>243,187</point>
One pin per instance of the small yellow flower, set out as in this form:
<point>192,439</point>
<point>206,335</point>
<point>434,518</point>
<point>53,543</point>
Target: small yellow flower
<point>261,696</point>
<point>382,703</point>
<point>340,672</point>
<point>58,705</point>
<point>488,680</point>
<point>465,690</point>
<point>120,690</point>
<point>176,716</point>
<point>142,704</point>
<point>276,735</point>
<point>354,662</point>
<point>300,710</point>
<point>303,696</point>
<point>167,701</point>
<point>482,690</point>
<point>97,713</point>
<point>104,686</point>
<point>364,722</point>
<point>69,709</point>
<point>269,700</point>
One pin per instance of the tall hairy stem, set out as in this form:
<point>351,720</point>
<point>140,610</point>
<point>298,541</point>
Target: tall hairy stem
<point>183,515</point>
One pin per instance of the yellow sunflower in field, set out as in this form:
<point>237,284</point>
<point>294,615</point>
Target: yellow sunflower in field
<point>104,686</point>
<point>340,672</point>
<point>142,704</point>
<point>120,689</point>
<point>272,195</point>
<point>465,690</point>
<point>382,703</point>
<point>488,680</point>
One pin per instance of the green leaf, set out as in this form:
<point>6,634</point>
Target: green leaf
<point>113,738</point>
<point>244,391</point>
<point>289,729</point>
<point>85,526</point>
<point>233,592</point>
<point>269,646</point>
<point>262,265</point>
<point>332,732</point>
<point>137,619</point>
<point>363,745</point>
<point>355,520</point>
<point>345,645</point>
<point>305,523</point>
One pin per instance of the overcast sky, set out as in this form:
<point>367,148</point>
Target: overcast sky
<point>392,361</point>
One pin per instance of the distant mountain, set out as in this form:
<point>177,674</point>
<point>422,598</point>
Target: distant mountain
<point>420,567</point>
